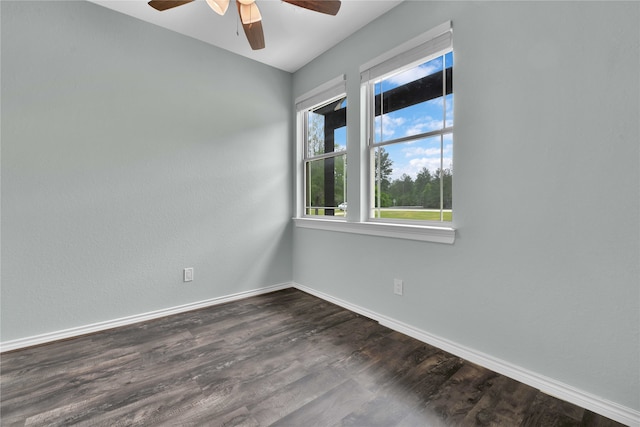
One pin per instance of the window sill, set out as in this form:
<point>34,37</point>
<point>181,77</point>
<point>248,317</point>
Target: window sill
<point>399,231</point>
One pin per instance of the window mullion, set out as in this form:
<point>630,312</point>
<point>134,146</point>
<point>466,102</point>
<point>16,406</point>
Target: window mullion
<point>414,137</point>
<point>326,155</point>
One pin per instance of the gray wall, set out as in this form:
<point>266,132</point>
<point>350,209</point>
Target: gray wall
<point>128,153</point>
<point>544,273</point>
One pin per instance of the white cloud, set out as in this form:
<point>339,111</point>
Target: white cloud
<point>431,163</point>
<point>415,73</point>
<point>423,125</point>
<point>389,125</point>
<point>393,121</point>
<point>421,151</point>
<point>437,102</point>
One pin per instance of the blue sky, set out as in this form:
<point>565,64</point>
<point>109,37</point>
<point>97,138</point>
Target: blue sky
<point>410,157</point>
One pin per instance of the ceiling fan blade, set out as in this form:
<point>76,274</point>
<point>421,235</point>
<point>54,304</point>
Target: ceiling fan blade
<point>218,6</point>
<point>249,12</point>
<point>255,35</point>
<point>167,4</point>
<point>253,26</point>
<point>330,7</point>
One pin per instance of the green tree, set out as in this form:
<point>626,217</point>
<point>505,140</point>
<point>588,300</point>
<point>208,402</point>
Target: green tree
<point>384,168</point>
<point>447,184</point>
<point>432,193</point>
<point>385,199</point>
<point>315,134</point>
<point>422,187</point>
<point>402,191</point>
<point>316,169</point>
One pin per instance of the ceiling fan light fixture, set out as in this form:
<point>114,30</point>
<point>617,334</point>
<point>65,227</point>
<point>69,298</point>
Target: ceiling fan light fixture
<point>247,2</point>
<point>219,6</point>
<point>249,13</point>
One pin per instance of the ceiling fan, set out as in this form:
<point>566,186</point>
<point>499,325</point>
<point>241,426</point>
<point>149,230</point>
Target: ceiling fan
<point>250,14</point>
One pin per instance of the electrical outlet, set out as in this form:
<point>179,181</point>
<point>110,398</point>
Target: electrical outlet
<point>187,274</point>
<point>397,286</point>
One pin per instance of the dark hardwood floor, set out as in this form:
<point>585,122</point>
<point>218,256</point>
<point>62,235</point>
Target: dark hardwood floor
<point>281,359</point>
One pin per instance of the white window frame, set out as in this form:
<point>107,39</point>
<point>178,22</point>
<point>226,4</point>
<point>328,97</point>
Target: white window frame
<point>322,95</point>
<point>409,53</point>
<point>433,44</point>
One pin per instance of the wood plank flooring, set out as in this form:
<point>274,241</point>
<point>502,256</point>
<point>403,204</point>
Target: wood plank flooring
<point>280,359</point>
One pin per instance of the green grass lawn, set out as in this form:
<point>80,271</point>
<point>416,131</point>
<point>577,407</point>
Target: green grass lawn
<point>417,214</point>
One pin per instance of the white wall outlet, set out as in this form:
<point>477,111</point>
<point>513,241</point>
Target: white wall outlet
<point>187,274</point>
<point>397,286</point>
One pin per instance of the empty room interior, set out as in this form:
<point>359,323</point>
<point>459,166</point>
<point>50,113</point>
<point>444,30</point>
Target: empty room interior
<point>153,182</point>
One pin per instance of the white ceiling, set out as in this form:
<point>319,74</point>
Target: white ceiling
<point>294,36</point>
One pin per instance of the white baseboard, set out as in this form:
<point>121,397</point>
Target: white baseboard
<point>547,385</point>
<point>129,320</point>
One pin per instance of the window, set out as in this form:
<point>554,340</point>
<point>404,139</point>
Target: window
<point>324,158</point>
<point>402,160</point>
<point>410,134</point>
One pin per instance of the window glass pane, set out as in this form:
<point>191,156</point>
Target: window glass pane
<point>448,60</point>
<point>410,103</point>
<point>449,98</point>
<point>414,179</point>
<point>326,186</point>
<point>315,134</point>
<point>449,110</point>
<point>326,128</point>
